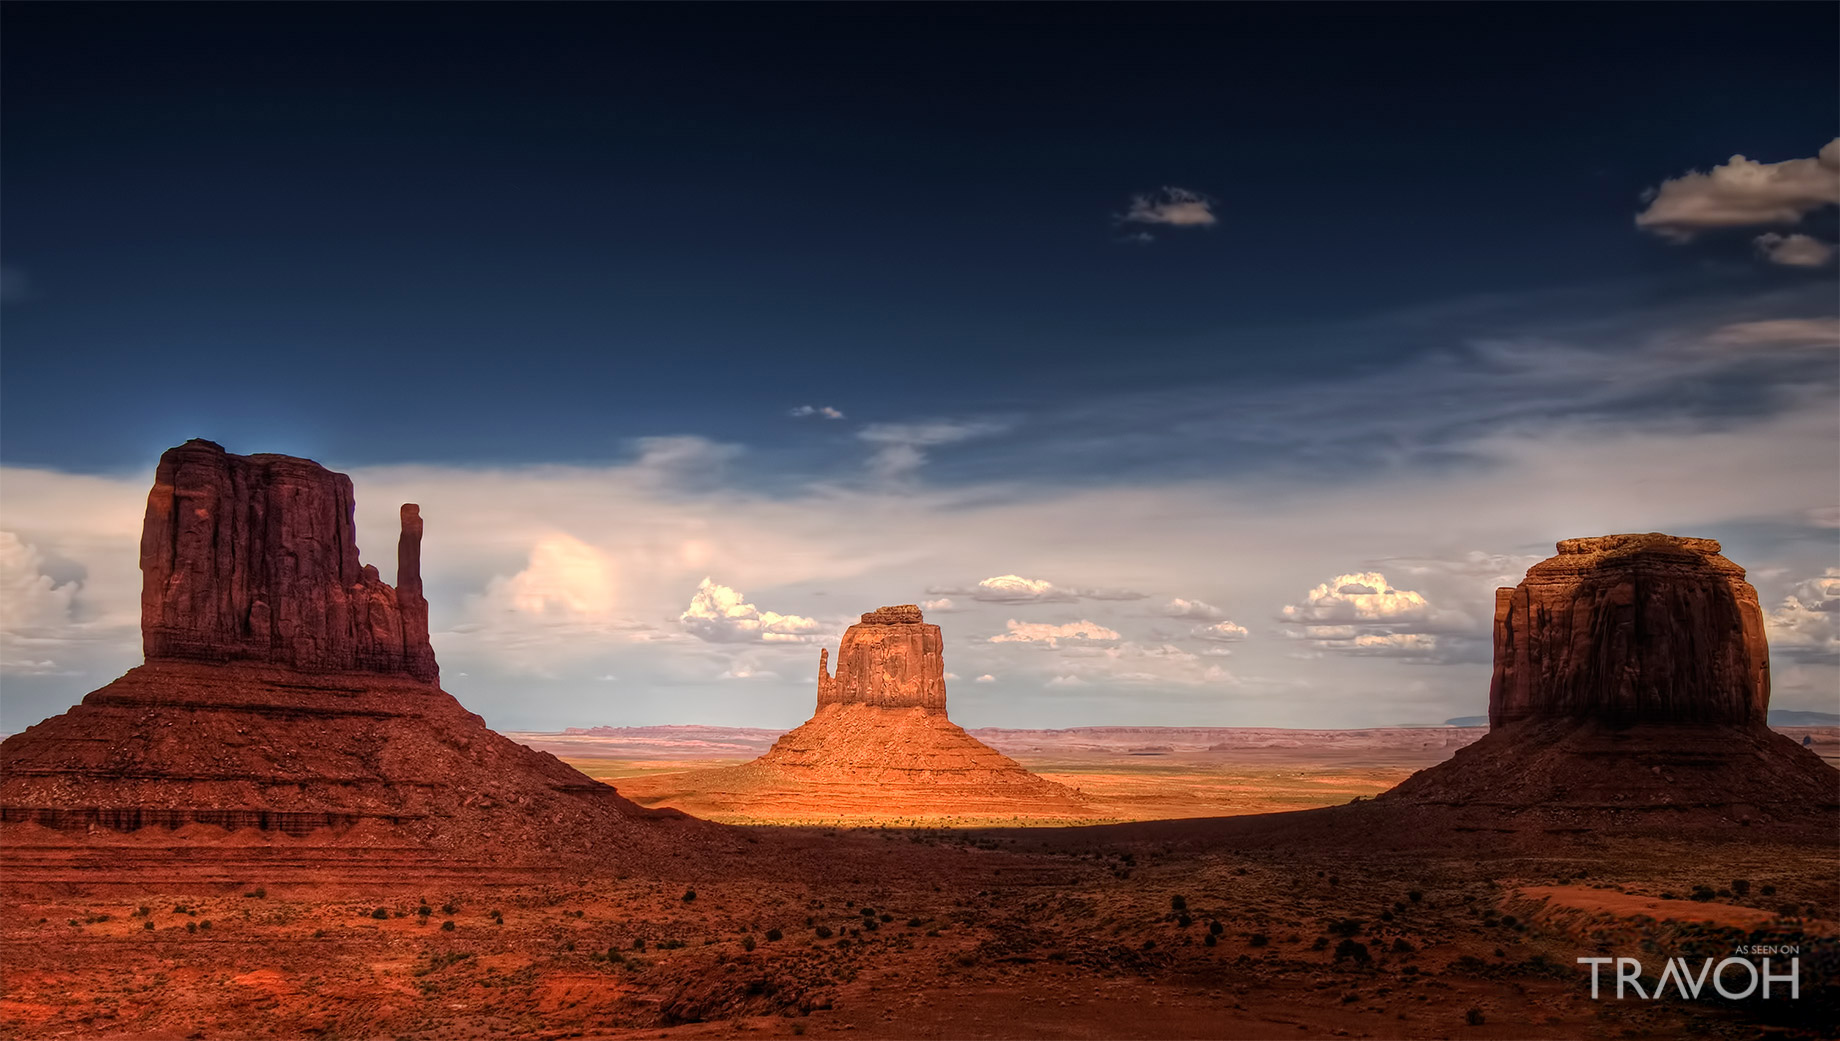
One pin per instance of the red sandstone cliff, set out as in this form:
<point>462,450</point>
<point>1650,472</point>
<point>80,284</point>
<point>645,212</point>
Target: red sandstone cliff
<point>255,558</point>
<point>1631,628</point>
<point>892,658</point>
<point>288,690</point>
<point>1631,682</point>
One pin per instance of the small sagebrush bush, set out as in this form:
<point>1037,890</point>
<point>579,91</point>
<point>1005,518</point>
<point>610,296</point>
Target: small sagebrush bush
<point>381,913</point>
<point>773,934</point>
<point>1353,950</point>
<point>447,926</point>
<point>1178,903</point>
<point>1474,1017</point>
<point>824,932</point>
<point>747,942</point>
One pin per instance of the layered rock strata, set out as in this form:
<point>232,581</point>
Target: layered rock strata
<point>287,692</point>
<point>255,558</point>
<point>879,747</point>
<point>1631,628</point>
<point>1631,678</point>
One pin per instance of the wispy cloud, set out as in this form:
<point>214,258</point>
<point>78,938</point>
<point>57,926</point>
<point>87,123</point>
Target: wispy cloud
<point>821,411</point>
<point>1015,589</point>
<point>1170,206</point>
<point>1052,635</point>
<point>1796,250</point>
<point>901,447</point>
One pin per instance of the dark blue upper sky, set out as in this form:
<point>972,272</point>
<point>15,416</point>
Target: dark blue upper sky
<point>479,233</point>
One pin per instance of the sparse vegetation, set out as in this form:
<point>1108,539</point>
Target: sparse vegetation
<point>1474,1017</point>
<point>381,913</point>
<point>1353,950</point>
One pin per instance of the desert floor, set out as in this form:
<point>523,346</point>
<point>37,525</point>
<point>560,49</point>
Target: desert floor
<point>1035,932</point>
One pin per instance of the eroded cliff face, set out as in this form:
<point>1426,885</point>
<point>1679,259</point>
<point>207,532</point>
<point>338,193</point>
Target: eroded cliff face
<point>892,659</point>
<point>1631,629</point>
<point>254,558</point>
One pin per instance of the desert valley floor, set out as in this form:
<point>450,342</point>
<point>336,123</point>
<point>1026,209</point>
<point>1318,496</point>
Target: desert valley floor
<point>1235,926</point>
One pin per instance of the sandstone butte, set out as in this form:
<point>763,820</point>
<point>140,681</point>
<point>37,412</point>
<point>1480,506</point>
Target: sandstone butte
<point>289,699</point>
<point>879,746</point>
<point>1631,677</point>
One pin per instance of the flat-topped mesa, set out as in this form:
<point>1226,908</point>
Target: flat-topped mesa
<point>255,558</point>
<point>892,659</point>
<point>1631,629</point>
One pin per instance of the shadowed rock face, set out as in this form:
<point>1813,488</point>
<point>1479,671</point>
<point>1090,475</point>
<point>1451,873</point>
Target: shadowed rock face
<point>255,558</point>
<point>892,659</point>
<point>1631,628</point>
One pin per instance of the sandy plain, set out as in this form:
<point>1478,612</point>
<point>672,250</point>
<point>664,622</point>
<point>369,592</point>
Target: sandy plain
<point>1255,926</point>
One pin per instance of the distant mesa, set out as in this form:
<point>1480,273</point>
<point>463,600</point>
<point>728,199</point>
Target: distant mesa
<point>287,691</point>
<point>878,746</point>
<point>1631,676</point>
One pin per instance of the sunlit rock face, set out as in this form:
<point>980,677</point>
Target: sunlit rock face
<point>255,558</point>
<point>880,746</point>
<point>1631,628</point>
<point>289,691</point>
<point>892,659</point>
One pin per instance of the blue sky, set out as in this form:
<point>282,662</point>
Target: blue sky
<point>1203,304</point>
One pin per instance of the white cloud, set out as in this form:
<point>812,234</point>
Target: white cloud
<point>821,411</point>
<point>1222,632</point>
<point>1363,596</point>
<point>902,446</point>
<point>986,678</point>
<point>565,576</point>
<point>943,605</point>
<point>1015,589</point>
<point>1806,624</point>
<point>1743,193</point>
<point>1066,681</point>
<point>1173,207</point>
<point>1197,610</point>
<point>1795,250</point>
<point>35,609</point>
<point>719,614</point>
<point>1052,635</point>
<point>1789,332</point>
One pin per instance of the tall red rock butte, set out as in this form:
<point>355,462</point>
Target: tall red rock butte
<point>878,747</point>
<point>1631,676</point>
<point>291,696</point>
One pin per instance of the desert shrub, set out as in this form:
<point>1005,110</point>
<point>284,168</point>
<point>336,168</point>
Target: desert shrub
<point>182,909</point>
<point>1508,920</point>
<point>914,923</point>
<point>1386,916</point>
<point>204,924</point>
<point>886,917</point>
<point>1768,890</point>
<point>1258,939</point>
<point>1334,881</point>
<point>146,925</point>
<point>191,927</point>
<point>381,913</point>
<point>142,911</point>
<point>450,908</point>
<point>258,893</point>
<point>1209,940</point>
<point>1216,928</point>
<point>1184,921</point>
<point>1352,949</point>
<point>871,924</point>
<point>824,932</point>
<point>447,926</point>
<point>1741,886</point>
<point>497,916</point>
<point>867,912</point>
<point>1474,1017</point>
<point>747,942</point>
<point>1414,895</point>
<point>1400,946</point>
<point>1320,943</point>
<point>639,944</point>
<point>689,895</point>
<point>773,934</point>
<point>1345,926</point>
<point>1178,903</point>
<point>1410,970</point>
<point>423,912</point>
<point>1701,893</point>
